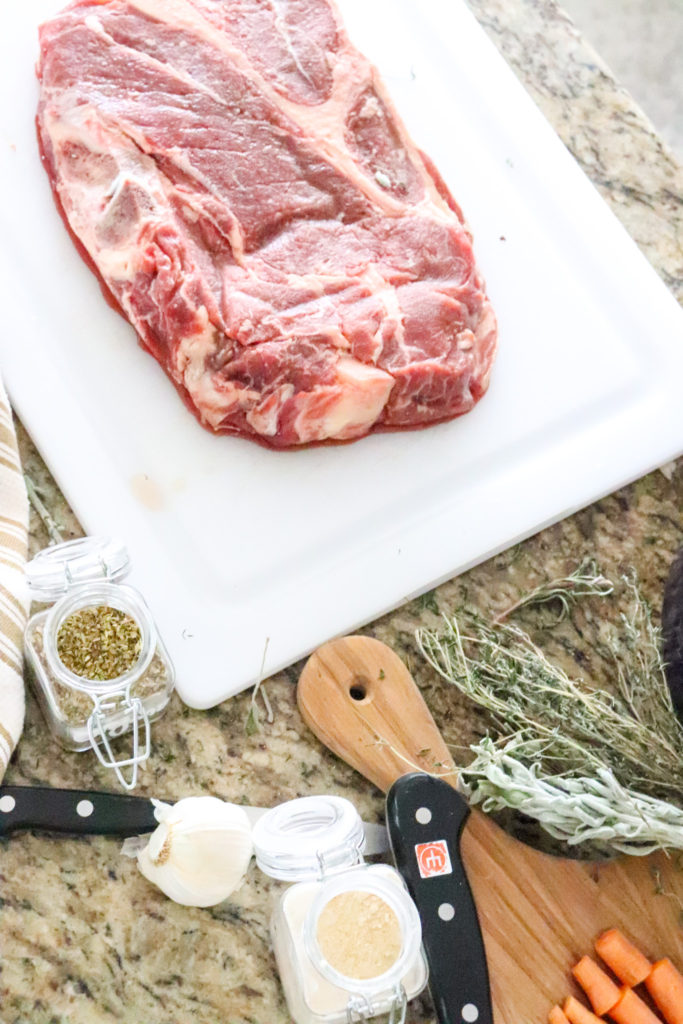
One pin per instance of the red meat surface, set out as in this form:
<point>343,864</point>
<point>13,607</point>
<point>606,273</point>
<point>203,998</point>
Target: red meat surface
<point>242,184</point>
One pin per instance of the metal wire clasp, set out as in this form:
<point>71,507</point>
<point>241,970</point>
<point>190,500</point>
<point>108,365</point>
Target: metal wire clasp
<point>399,1006</point>
<point>97,734</point>
<point>360,1008</point>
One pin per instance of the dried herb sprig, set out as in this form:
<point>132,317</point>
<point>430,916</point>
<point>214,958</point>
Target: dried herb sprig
<point>555,732</point>
<point>585,581</point>
<point>43,513</point>
<point>640,671</point>
<point>594,809</point>
<point>253,722</point>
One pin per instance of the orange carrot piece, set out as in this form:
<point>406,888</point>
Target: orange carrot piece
<point>556,1016</point>
<point>632,1010</point>
<point>601,991</point>
<point>576,1013</point>
<point>627,962</point>
<point>665,985</point>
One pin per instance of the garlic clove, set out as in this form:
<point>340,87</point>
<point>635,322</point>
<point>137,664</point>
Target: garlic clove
<point>200,852</point>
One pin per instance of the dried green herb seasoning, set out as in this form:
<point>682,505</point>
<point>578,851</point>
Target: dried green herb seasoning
<point>99,642</point>
<point>76,707</point>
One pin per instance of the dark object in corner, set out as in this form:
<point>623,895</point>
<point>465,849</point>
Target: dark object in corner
<point>672,632</point>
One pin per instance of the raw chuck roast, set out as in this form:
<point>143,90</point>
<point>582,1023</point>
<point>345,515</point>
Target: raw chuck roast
<point>247,193</point>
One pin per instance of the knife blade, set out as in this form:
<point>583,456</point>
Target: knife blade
<point>88,812</point>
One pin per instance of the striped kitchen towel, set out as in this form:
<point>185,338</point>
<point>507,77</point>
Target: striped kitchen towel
<point>13,594</point>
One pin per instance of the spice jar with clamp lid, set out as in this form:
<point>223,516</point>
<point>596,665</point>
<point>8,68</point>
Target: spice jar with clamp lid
<point>346,934</point>
<point>99,666</point>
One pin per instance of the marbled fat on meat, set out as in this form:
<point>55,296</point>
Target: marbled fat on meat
<point>242,184</point>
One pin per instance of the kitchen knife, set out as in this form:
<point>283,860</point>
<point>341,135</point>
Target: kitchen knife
<point>425,819</point>
<point>91,812</point>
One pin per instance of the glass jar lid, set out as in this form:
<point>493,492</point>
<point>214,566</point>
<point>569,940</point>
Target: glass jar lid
<point>307,838</point>
<point>56,569</point>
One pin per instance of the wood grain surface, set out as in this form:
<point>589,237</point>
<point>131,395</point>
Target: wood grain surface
<point>539,914</point>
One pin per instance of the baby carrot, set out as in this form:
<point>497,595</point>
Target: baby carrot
<point>627,962</point>
<point>601,991</point>
<point>665,985</point>
<point>556,1016</point>
<point>576,1013</point>
<point>632,1010</point>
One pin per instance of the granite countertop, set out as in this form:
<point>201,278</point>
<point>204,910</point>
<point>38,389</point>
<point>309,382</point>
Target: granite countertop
<point>83,937</point>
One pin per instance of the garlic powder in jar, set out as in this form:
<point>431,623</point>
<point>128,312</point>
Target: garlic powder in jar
<point>346,935</point>
<point>359,934</point>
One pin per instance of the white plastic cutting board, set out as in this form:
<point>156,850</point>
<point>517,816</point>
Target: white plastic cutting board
<point>233,544</point>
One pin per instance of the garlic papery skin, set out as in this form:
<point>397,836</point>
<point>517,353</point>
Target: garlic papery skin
<point>200,852</point>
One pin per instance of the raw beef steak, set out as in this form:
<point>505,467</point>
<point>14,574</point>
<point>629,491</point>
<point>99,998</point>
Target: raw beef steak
<point>245,189</point>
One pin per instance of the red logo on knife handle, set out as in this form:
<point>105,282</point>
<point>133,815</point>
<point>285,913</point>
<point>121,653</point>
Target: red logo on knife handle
<point>433,859</point>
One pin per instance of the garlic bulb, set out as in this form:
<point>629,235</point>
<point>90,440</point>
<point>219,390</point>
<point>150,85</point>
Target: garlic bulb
<point>200,852</point>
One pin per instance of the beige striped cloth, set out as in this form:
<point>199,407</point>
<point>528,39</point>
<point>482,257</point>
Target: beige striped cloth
<point>13,594</point>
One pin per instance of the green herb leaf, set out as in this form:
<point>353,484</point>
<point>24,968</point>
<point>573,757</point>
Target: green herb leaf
<point>252,723</point>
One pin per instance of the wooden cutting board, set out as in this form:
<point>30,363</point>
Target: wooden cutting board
<point>539,914</point>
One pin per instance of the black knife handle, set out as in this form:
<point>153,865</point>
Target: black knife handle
<point>74,811</point>
<point>425,818</point>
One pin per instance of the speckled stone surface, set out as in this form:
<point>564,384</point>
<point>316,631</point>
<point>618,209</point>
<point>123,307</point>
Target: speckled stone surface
<point>83,937</point>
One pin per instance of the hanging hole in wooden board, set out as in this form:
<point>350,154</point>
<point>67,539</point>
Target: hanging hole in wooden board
<point>358,689</point>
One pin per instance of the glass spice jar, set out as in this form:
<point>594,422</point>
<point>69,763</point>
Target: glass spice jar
<point>346,935</point>
<point>99,667</point>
